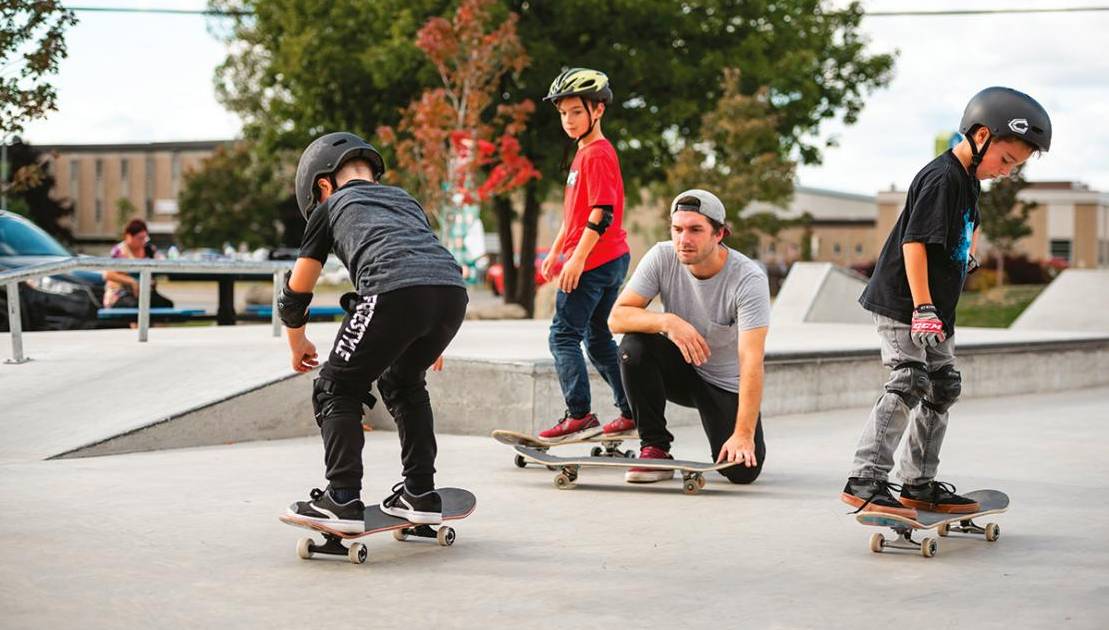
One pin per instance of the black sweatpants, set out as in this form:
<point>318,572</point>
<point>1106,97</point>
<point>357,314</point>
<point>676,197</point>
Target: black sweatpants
<point>392,338</point>
<point>654,372</point>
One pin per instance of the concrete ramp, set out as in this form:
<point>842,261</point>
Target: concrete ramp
<point>820,293</point>
<point>1078,300</point>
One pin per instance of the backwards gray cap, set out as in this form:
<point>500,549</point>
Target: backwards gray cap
<point>701,202</point>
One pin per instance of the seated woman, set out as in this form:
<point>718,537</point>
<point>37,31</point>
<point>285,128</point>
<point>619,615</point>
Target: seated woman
<point>121,290</point>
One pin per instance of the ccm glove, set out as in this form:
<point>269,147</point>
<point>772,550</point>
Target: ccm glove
<point>927,329</point>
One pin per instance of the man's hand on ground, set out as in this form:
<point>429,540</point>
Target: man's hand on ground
<point>692,345</point>
<point>738,449</point>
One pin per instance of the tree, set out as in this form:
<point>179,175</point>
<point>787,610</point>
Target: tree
<point>31,48</point>
<point>230,199</point>
<point>1004,217</point>
<point>29,191</point>
<point>738,157</point>
<point>298,68</point>
<point>449,147</point>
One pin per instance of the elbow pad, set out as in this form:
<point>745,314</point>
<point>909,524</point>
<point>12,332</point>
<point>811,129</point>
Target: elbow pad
<point>602,225</point>
<point>292,306</point>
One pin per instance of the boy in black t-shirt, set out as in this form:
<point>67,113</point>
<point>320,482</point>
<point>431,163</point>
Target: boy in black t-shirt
<point>409,304</point>
<point>913,293</point>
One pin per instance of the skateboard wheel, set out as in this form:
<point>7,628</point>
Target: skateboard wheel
<point>929,547</point>
<point>445,536</point>
<point>629,454</point>
<point>993,530</point>
<point>520,461</point>
<point>596,452</point>
<point>563,482</point>
<point>357,553</point>
<point>401,534</point>
<point>304,548</point>
<point>877,542</point>
<point>701,482</point>
<point>942,530</point>
<point>691,486</point>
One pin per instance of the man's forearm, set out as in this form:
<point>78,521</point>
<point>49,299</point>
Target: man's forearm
<point>916,271</point>
<point>750,400</point>
<point>632,319</point>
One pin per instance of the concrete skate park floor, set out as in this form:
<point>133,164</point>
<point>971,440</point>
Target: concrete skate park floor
<point>190,538</point>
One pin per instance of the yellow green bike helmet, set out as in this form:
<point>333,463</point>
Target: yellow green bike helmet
<point>583,82</point>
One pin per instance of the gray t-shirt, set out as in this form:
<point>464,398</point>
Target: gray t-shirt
<point>737,298</point>
<point>383,238</point>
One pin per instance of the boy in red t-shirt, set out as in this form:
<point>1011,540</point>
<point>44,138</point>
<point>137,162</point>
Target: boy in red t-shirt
<point>594,246</point>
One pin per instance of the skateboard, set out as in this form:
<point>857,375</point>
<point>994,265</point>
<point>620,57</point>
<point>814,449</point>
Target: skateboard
<point>991,502</point>
<point>457,504</point>
<point>609,444</point>
<point>693,479</point>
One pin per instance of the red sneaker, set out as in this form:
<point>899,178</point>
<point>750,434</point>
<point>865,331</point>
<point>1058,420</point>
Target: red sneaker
<point>642,474</point>
<point>569,429</point>
<point>619,426</point>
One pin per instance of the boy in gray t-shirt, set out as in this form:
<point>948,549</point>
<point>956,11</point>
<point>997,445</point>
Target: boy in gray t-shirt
<point>706,349</point>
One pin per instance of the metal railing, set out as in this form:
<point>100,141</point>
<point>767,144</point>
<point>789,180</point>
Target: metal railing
<point>146,269</point>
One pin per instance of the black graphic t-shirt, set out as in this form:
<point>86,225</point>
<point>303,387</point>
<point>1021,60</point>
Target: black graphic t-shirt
<point>941,211</point>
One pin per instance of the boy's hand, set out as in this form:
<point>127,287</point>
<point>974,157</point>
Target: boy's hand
<point>304,353</point>
<point>927,329</point>
<point>438,365</point>
<point>571,274</point>
<point>549,263</point>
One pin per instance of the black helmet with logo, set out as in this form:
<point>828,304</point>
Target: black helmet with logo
<point>1007,113</point>
<point>326,155</point>
<point>583,82</point>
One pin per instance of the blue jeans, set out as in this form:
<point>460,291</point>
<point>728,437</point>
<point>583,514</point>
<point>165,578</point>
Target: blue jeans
<point>582,315</point>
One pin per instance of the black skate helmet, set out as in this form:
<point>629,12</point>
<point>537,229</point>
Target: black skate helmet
<point>1007,113</point>
<point>326,155</point>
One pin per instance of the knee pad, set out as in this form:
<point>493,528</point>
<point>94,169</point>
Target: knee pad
<point>947,385</point>
<point>330,400</point>
<point>910,382</point>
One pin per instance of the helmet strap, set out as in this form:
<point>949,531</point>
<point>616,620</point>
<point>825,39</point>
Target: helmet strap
<point>976,153</point>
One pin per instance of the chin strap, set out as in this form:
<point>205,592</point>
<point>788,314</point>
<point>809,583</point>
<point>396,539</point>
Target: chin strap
<point>976,153</point>
<point>565,164</point>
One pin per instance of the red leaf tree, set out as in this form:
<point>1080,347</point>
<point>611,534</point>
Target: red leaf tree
<point>457,143</point>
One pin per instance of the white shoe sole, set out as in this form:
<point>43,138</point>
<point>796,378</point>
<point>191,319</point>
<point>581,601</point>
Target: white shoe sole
<point>345,526</point>
<point>420,518</point>
<point>650,476</point>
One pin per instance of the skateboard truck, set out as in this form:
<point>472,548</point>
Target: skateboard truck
<point>927,547</point>
<point>357,553</point>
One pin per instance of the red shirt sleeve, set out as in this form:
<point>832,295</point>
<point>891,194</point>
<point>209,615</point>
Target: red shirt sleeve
<point>601,177</point>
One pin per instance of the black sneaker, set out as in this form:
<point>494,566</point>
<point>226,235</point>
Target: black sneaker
<point>346,517</point>
<point>873,495</point>
<point>937,496</point>
<point>426,508</point>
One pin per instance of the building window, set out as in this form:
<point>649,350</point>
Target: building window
<point>175,174</point>
<point>836,249</point>
<point>1060,248</point>
<point>149,187</point>
<point>74,180</point>
<point>859,249</point>
<point>99,216</point>
<point>125,178</point>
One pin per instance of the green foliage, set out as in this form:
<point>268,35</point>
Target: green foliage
<point>738,157</point>
<point>230,199</point>
<point>31,47</point>
<point>29,191</point>
<point>995,308</point>
<point>1004,217</point>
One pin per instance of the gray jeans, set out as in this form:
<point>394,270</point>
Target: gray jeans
<point>923,384</point>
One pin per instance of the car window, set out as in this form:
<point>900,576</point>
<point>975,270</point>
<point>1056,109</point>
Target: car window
<point>22,238</point>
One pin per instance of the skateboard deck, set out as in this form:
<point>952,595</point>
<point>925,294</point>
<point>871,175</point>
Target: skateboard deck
<point>990,502</point>
<point>693,479</point>
<point>457,504</point>
<point>610,444</point>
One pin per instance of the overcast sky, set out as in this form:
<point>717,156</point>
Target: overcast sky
<point>147,78</point>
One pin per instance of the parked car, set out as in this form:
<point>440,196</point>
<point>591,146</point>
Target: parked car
<point>65,301</point>
<point>494,276</point>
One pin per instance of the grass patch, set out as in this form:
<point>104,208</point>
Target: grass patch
<point>996,307</point>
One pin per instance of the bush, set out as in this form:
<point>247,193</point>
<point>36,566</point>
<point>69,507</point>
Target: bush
<point>981,280</point>
<point>1019,270</point>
